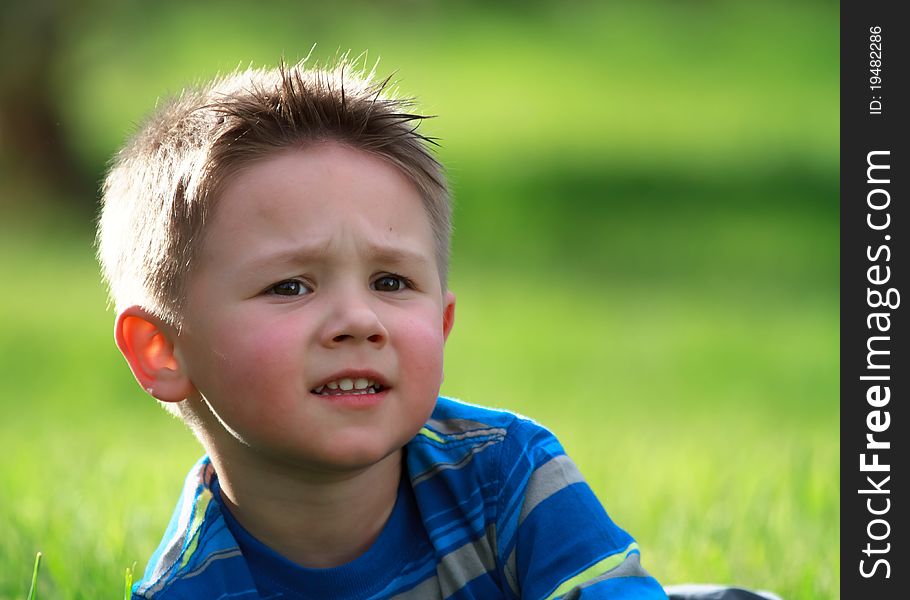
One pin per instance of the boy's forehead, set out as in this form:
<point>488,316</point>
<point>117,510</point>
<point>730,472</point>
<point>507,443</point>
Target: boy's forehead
<point>302,201</point>
<point>325,173</point>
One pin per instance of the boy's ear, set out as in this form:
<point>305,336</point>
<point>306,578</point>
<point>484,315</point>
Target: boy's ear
<point>147,345</point>
<point>448,313</point>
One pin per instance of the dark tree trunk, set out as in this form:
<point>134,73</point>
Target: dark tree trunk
<point>33,139</point>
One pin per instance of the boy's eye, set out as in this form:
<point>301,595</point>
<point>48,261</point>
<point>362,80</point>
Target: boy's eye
<point>291,287</point>
<point>390,283</point>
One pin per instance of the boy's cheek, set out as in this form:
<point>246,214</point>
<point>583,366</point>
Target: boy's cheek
<point>224,357</point>
<point>422,354</point>
<point>424,343</point>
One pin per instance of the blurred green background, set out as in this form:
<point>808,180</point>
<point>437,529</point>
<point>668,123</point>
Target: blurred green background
<point>645,257</point>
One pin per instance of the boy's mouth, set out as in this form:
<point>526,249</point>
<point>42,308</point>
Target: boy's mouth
<point>349,386</point>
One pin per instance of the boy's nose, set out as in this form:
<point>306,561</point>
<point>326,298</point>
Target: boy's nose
<point>354,322</point>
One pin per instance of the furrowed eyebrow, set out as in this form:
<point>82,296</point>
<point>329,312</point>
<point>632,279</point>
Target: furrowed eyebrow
<point>317,253</point>
<point>398,255</point>
<point>287,257</point>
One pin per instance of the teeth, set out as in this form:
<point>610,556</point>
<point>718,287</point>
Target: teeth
<point>360,385</point>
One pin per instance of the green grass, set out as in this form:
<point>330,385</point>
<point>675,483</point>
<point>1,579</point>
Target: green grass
<point>32,588</point>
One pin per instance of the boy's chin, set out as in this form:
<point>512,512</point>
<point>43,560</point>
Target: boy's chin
<point>358,457</point>
<point>341,458</point>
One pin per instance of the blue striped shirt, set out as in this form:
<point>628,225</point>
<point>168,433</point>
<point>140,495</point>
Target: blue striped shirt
<point>491,507</point>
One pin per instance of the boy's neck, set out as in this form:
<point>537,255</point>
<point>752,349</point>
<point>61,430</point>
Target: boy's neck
<point>316,522</point>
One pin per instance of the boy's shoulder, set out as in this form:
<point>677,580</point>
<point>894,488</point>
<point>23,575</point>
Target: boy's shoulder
<point>465,440</point>
<point>454,417</point>
<point>455,424</point>
<point>198,555</point>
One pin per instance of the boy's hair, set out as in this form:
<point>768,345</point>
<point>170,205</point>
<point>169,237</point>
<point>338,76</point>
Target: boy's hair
<point>164,184</point>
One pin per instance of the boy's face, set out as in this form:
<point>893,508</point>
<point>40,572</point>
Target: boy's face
<point>317,274</point>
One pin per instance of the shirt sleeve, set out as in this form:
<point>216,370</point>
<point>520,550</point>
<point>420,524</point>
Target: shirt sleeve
<point>555,540</point>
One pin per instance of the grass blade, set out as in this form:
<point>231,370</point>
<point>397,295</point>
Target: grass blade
<point>33,589</point>
<point>128,582</point>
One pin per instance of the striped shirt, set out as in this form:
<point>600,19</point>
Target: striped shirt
<point>491,507</point>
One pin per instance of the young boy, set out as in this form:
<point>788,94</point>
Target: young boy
<point>276,245</point>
